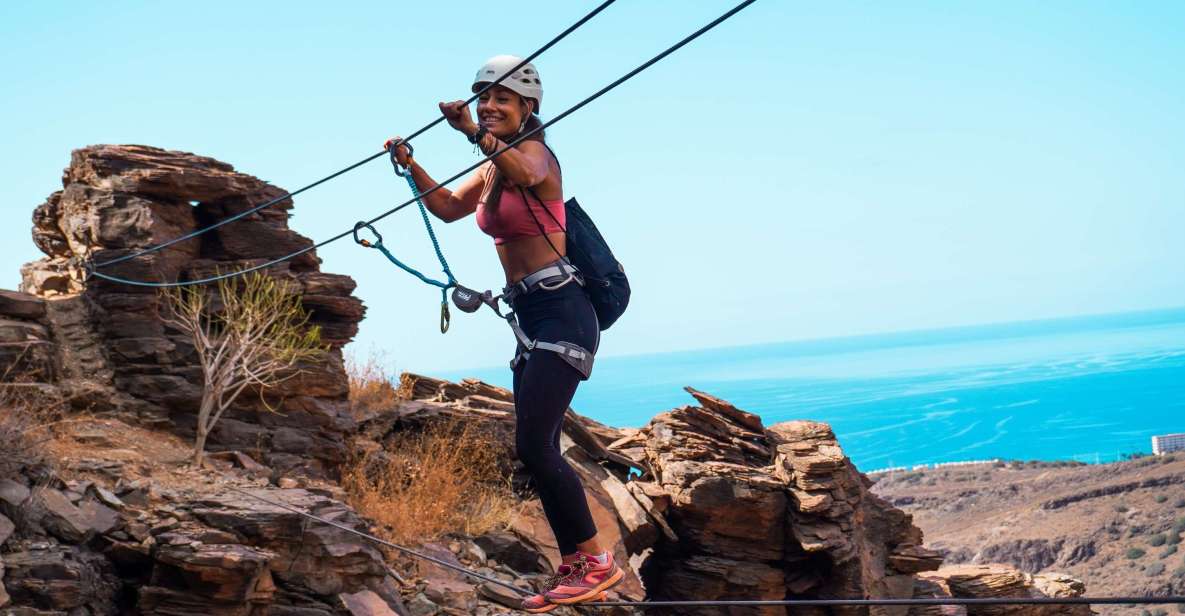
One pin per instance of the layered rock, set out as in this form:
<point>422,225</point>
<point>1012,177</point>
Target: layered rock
<point>767,513</point>
<point>26,350</point>
<point>111,341</point>
<point>210,548</point>
<point>1000,581</point>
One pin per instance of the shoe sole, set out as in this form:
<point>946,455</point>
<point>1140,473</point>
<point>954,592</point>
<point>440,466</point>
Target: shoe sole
<point>552,606</point>
<point>600,588</point>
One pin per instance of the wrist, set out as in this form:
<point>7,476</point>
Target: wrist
<point>477,134</point>
<point>491,140</point>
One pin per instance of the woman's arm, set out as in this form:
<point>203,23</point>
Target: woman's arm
<point>450,205</point>
<point>447,205</point>
<point>526,164</point>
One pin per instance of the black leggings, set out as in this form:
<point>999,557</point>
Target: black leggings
<point>543,388</point>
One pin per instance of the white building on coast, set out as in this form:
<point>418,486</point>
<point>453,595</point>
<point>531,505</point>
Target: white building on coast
<point>1166,443</point>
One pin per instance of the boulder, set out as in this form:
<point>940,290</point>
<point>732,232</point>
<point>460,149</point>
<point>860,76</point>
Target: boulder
<point>321,559</point>
<point>17,305</point>
<point>55,513</point>
<point>6,530</point>
<point>366,603</point>
<point>64,578</point>
<point>766,513</point>
<point>112,340</point>
<point>993,581</point>
<point>13,495</point>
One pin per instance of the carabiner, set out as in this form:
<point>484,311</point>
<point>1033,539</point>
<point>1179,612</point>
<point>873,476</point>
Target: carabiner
<point>445,318</point>
<point>361,224</point>
<point>395,160</point>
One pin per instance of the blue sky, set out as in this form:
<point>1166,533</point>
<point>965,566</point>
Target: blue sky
<point>802,171</point>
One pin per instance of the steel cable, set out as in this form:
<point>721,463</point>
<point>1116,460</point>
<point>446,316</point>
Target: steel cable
<point>415,134</point>
<point>1172,599</point>
<point>668,51</point>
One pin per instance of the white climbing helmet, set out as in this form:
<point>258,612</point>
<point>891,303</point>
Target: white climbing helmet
<point>525,81</point>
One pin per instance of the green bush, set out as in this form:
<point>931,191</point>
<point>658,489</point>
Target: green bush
<point>1173,539</point>
<point>1172,549</point>
<point>1160,612</point>
<point>1181,608</point>
<point>1134,553</point>
<point>1155,569</point>
<point>1157,540</point>
<point>1121,508</point>
<point>1145,613</point>
<point>1160,498</point>
<point>1180,504</point>
<point>1180,525</point>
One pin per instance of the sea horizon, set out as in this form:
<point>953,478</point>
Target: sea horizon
<point>1090,388</point>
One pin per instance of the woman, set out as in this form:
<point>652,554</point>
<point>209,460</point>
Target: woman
<point>518,198</point>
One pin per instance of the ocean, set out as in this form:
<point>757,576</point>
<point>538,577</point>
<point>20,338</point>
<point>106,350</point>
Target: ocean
<point>1092,389</point>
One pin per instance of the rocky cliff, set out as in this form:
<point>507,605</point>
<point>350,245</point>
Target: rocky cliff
<point>112,346</point>
<point>704,502</point>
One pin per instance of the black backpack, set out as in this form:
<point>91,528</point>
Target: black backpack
<point>604,278</point>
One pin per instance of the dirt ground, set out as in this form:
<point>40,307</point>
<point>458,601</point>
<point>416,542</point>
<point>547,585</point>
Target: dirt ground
<point>1115,526</point>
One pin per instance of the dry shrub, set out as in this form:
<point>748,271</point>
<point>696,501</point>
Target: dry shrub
<point>446,479</point>
<point>371,386</point>
<point>28,419</point>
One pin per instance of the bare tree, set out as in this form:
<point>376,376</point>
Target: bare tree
<point>253,334</point>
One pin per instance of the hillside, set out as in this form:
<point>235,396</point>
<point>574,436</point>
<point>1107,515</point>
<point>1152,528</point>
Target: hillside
<point>1114,526</point>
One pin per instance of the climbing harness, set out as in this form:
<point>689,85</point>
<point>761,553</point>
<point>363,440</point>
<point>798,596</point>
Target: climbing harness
<point>92,268</point>
<point>378,243</point>
<point>548,278</point>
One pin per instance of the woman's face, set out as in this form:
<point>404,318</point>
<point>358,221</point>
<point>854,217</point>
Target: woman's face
<point>501,111</point>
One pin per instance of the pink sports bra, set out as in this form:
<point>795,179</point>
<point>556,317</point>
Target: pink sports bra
<point>510,220</point>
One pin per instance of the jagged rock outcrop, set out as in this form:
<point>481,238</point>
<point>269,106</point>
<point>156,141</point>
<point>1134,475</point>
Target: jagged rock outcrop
<point>729,509</point>
<point>26,350</point>
<point>113,349</point>
<point>1001,581</point>
<point>82,549</point>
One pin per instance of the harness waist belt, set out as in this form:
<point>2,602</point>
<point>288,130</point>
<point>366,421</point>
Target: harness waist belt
<point>559,273</point>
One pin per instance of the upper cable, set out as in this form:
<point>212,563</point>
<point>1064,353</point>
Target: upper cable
<point>425,128</point>
<point>620,80</point>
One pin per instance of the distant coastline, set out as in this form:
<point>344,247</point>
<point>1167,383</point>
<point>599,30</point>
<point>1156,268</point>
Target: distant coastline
<point>1088,389</point>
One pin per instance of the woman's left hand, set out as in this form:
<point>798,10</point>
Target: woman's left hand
<point>458,117</point>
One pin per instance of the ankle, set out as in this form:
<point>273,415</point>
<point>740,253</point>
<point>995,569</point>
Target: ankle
<point>602,558</point>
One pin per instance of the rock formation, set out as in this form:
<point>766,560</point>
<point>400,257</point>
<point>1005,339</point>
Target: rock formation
<point>112,348</point>
<point>80,548</point>
<point>704,502</point>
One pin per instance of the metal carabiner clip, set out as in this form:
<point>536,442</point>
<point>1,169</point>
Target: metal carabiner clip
<point>395,160</point>
<point>445,318</point>
<point>362,224</point>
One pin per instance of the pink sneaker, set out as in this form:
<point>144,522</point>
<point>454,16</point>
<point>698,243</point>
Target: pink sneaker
<point>586,580</point>
<point>538,604</point>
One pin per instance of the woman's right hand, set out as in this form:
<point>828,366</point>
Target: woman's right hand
<point>400,152</point>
